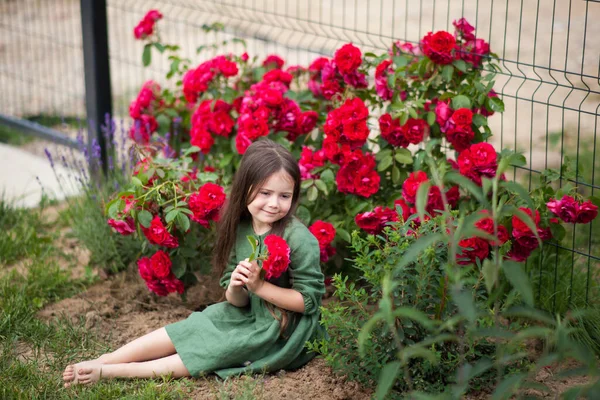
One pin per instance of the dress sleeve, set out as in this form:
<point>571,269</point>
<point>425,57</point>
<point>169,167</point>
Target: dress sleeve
<point>231,264</point>
<point>305,268</point>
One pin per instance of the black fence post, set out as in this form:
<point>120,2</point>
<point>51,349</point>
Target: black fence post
<point>98,100</point>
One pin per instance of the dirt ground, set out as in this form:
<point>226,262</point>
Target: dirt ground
<point>120,308</point>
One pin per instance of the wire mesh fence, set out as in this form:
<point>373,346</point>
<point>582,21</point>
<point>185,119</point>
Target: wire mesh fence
<point>548,52</point>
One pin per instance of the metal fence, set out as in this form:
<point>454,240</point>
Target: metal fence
<point>548,52</point>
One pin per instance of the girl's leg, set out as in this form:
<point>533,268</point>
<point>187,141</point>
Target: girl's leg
<point>153,345</point>
<point>156,344</point>
<point>170,365</point>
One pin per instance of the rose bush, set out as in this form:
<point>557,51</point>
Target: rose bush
<point>438,91</point>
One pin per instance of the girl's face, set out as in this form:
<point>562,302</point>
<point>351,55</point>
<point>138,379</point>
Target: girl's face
<point>272,201</point>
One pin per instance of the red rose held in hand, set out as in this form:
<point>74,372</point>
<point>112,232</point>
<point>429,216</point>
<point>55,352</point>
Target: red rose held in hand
<point>278,258</point>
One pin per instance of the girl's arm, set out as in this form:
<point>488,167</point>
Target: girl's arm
<point>288,299</point>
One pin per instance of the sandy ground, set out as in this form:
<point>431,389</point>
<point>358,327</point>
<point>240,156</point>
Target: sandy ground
<point>549,49</point>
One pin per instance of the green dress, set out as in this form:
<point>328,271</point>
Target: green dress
<point>230,340</point>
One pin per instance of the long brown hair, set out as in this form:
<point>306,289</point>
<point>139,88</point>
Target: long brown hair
<point>262,159</point>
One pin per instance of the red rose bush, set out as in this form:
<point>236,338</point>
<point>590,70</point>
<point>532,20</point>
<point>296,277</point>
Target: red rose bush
<point>361,146</point>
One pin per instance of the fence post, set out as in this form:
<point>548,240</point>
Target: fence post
<point>98,100</point>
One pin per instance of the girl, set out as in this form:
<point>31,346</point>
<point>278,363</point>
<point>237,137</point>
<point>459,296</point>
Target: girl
<point>263,325</point>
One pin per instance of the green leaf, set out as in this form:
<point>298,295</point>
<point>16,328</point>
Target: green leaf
<point>183,222</point>
<point>464,300</point>
<point>495,104</point>
<point>460,65</point>
<point>519,280</point>
<point>430,118</point>
<point>465,183</point>
<point>171,215</point>
<point>447,72</point>
<point>558,231</point>
<point>531,313</point>
<point>416,351</point>
<point>147,55</point>
<point>385,163</point>
<point>307,183</point>
<point>415,315</point>
<point>179,267</point>
<point>365,332</point>
<point>479,120</point>
<point>383,154</point>
<point>226,160</point>
<point>343,234</point>
<point>401,61</point>
<point>312,193</point>
<point>421,198</point>
<point>327,176</point>
<point>321,186</point>
<point>396,174</point>
<point>460,101</point>
<point>508,385</point>
<point>160,173</point>
<point>254,244</point>
<point>159,46</point>
<point>144,218</point>
<point>417,248</point>
<point>136,181</point>
<point>388,375</point>
<point>403,156</point>
<point>490,274</point>
<point>304,214</point>
<point>521,191</point>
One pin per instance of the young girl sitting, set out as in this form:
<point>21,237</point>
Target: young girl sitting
<point>264,324</point>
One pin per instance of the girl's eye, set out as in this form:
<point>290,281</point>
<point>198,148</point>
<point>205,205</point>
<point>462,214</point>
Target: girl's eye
<point>265,193</point>
<point>286,196</point>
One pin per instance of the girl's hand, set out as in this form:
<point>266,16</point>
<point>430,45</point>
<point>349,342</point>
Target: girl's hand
<point>251,272</point>
<point>239,277</point>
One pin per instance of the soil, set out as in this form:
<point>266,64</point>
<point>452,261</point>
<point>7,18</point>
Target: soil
<point>120,308</point>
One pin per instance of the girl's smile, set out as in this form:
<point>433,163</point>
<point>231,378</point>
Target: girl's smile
<point>272,201</point>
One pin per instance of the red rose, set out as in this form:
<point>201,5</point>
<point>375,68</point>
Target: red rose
<point>172,284</point>
<point>460,137</point>
<point>443,112</point>
<point>273,61</point>
<point>158,234</point>
<point>411,185</point>
<point>242,142</point>
<point>161,264</point>
<point>145,268</point>
<point>462,117</point>
<point>415,130</point>
<point>323,231</point>
<point>522,247</point>
<point>369,222</point>
<point>473,51</point>
<point>439,47</point>
<point>452,196</point>
<point>472,249</point>
<point>486,224</point>
<point>520,229</point>
<point>202,139</point>
<point>566,208</point>
<point>464,29</point>
<point>348,58</point>
<point>206,203</point>
<point>126,227</point>
<point>587,212</point>
<point>157,287</point>
<point>278,258</point>
<point>142,128</point>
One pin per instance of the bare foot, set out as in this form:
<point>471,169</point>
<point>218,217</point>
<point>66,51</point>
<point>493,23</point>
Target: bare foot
<point>72,376</point>
<point>89,372</point>
<point>69,375</point>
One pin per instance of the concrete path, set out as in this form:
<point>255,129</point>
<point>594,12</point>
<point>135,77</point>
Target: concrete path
<point>24,176</point>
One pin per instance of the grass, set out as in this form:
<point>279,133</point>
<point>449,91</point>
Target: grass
<point>34,353</point>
